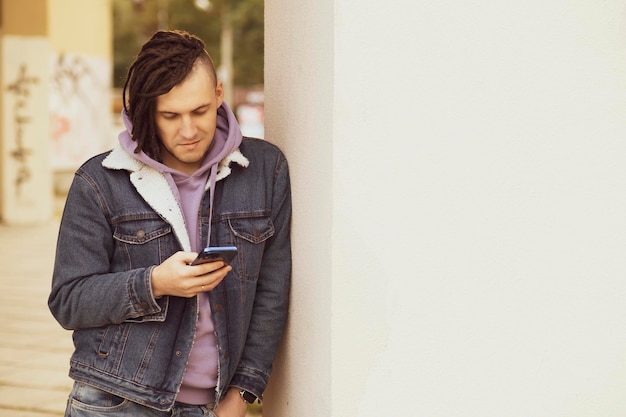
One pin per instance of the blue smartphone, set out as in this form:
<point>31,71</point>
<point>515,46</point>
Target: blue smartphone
<point>216,253</point>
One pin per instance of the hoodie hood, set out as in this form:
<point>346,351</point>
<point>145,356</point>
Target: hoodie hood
<point>227,139</point>
<point>186,190</point>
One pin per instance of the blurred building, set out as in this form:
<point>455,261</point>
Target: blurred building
<point>55,74</point>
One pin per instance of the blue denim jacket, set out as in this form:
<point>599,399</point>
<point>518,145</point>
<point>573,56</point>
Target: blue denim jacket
<point>121,220</point>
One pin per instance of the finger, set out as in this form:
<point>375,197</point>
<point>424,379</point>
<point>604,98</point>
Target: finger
<point>208,268</point>
<point>183,256</point>
<point>215,278</point>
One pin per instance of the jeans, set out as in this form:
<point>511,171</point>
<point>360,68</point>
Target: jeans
<point>87,401</point>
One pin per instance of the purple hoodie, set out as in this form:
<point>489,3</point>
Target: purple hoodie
<point>200,377</point>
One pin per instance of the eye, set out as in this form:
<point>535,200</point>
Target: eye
<point>169,116</point>
<point>201,110</point>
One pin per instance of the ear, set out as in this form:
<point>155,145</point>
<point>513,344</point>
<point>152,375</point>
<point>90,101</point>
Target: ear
<point>219,93</point>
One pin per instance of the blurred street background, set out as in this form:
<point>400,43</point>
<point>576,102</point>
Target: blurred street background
<point>34,349</point>
<point>62,105</point>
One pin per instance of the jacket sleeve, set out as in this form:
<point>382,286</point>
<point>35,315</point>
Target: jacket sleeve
<point>269,314</point>
<point>85,293</point>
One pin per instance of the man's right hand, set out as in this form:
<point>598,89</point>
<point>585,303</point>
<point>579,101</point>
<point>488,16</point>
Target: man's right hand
<point>176,277</point>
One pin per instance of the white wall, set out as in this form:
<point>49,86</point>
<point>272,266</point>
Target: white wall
<point>299,98</point>
<point>459,190</point>
<point>25,185</point>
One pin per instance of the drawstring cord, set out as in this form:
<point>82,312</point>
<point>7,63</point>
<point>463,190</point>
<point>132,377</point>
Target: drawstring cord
<point>213,176</point>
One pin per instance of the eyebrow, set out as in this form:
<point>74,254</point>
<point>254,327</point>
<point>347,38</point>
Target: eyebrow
<point>192,110</point>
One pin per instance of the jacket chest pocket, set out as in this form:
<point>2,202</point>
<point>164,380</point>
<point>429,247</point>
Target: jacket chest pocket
<point>250,236</point>
<point>141,243</point>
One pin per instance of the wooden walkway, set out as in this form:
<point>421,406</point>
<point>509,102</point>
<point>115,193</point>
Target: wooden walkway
<point>34,349</point>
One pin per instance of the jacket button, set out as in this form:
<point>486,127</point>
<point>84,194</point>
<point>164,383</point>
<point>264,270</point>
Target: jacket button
<point>141,234</point>
<point>219,307</point>
<point>178,353</point>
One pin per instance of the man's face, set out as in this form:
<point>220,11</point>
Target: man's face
<point>186,118</point>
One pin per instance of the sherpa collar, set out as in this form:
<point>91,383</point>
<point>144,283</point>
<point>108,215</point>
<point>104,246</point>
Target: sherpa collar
<point>155,190</point>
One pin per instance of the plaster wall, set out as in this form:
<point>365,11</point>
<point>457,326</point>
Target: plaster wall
<point>57,56</point>
<point>80,26</point>
<point>299,96</point>
<point>81,106</point>
<point>458,174</point>
<point>25,17</point>
<point>24,167</point>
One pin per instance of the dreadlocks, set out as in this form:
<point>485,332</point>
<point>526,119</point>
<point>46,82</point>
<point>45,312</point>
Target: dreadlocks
<point>163,62</point>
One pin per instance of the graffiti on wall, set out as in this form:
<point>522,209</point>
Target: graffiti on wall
<point>20,88</point>
<point>79,108</point>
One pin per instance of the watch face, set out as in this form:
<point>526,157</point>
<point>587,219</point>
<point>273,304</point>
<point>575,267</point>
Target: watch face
<point>248,397</point>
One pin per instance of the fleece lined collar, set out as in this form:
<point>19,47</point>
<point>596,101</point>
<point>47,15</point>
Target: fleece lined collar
<point>155,189</point>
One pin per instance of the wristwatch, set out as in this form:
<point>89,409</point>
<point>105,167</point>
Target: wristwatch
<point>247,396</point>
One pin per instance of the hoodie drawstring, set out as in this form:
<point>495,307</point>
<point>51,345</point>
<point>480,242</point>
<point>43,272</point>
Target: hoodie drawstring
<point>212,182</point>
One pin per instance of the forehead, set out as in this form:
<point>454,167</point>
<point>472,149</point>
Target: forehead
<point>196,90</point>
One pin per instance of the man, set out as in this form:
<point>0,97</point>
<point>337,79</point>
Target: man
<point>154,335</point>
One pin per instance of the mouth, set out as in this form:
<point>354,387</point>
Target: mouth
<point>190,145</point>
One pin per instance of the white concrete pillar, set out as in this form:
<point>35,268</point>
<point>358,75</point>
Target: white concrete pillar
<point>55,100</point>
<point>299,80</point>
<point>25,174</point>
<point>80,94</point>
<point>459,182</point>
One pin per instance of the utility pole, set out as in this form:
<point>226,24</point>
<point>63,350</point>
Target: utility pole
<point>163,15</point>
<point>226,66</point>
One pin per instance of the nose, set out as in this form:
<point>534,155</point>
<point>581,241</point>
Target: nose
<point>188,127</point>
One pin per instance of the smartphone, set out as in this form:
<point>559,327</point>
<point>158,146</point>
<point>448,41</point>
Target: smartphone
<point>216,253</point>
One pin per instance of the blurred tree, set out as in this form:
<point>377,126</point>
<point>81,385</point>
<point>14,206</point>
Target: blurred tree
<point>134,21</point>
<point>249,24</point>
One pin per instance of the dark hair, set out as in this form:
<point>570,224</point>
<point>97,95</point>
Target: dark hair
<point>162,63</point>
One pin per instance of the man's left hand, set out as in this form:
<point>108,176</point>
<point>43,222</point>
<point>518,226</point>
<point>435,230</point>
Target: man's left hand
<point>232,405</point>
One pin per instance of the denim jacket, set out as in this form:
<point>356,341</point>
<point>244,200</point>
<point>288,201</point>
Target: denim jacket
<point>120,221</point>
